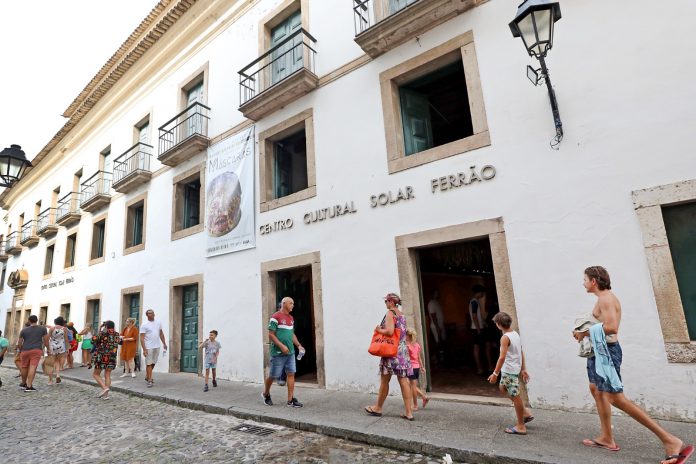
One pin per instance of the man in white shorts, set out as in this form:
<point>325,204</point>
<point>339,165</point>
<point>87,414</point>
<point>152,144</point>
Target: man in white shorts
<point>150,335</point>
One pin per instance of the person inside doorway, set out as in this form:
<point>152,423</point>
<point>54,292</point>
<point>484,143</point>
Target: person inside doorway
<point>151,334</point>
<point>478,315</point>
<point>31,343</point>
<point>281,332</point>
<point>437,323</point>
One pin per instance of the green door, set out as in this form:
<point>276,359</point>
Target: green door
<point>680,222</point>
<point>134,308</point>
<point>95,316</point>
<point>415,116</point>
<point>189,329</point>
<point>288,58</point>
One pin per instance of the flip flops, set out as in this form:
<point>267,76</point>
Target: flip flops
<point>368,409</point>
<point>596,444</point>
<point>403,416</point>
<point>425,401</point>
<point>514,431</point>
<point>528,419</point>
<point>683,455</point>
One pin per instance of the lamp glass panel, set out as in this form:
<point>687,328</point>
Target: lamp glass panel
<point>4,165</point>
<point>527,32</point>
<point>14,167</point>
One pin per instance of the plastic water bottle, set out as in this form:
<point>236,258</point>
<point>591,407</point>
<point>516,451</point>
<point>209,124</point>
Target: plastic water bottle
<point>300,354</point>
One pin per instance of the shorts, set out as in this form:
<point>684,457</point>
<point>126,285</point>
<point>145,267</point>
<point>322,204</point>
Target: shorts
<point>478,338</point>
<point>616,357</point>
<point>30,357</point>
<point>211,365</point>
<point>152,356</point>
<point>280,363</point>
<point>87,344</point>
<point>511,382</point>
<point>416,374</point>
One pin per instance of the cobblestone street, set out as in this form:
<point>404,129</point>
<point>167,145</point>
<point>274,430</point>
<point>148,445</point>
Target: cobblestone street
<point>67,422</point>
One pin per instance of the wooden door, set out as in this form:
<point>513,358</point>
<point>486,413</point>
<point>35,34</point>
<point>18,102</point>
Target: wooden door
<point>189,329</point>
<point>288,58</point>
<point>415,116</point>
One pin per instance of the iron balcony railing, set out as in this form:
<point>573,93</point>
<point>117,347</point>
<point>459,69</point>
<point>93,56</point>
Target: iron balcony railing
<point>283,60</point>
<point>192,121</point>
<point>136,158</point>
<point>46,218</point>
<point>98,184</point>
<point>28,230</point>
<point>367,13</point>
<point>11,241</point>
<point>69,204</point>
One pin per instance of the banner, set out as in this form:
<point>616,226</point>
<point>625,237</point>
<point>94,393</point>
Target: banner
<point>229,195</point>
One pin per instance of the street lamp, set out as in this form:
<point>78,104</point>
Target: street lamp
<point>13,163</point>
<point>534,23</point>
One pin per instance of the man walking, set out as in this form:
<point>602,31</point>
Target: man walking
<point>281,331</point>
<point>4,343</point>
<point>604,372</point>
<point>31,343</point>
<point>150,335</point>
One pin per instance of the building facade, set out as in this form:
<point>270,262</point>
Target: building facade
<point>398,147</point>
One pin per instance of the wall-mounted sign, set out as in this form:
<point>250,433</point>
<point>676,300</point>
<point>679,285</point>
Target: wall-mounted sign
<point>330,212</point>
<point>58,283</point>
<point>389,198</point>
<point>462,179</point>
<point>283,224</point>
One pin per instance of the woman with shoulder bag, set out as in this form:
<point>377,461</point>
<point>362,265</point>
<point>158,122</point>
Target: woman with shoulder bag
<point>400,365</point>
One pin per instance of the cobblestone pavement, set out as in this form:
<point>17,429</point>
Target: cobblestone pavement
<point>66,422</point>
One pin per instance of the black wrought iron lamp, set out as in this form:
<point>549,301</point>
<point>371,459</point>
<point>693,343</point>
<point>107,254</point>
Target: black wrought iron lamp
<point>534,23</point>
<point>13,163</point>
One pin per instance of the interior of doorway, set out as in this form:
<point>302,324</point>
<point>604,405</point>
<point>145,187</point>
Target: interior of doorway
<point>451,272</point>
<point>297,284</point>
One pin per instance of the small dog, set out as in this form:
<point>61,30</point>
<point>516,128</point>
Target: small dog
<point>47,366</point>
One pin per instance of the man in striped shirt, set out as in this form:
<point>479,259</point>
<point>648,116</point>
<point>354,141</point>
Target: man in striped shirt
<point>281,332</point>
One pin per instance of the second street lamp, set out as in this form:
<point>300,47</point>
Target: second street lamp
<point>534,23</point>
<point>13,163</point>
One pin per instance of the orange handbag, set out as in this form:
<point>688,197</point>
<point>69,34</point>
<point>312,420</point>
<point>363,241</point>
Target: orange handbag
<point>385,346</point>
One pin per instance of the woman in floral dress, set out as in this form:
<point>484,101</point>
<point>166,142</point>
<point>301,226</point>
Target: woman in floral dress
<point>106,344</point>
<point>400,366</point>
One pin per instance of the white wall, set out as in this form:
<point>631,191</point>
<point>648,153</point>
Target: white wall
<point>625,98</point>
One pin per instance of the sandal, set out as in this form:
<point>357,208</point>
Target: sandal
<point>596,444</point>
<point>425,401</point>
<point>683,455</point>
<point>368,409</point>
<point>514,431</point>
<point>404,416</point>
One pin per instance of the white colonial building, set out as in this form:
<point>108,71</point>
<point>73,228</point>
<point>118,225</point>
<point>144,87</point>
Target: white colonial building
<point>233,152</point>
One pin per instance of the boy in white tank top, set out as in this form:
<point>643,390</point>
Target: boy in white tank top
<point>511,365</point>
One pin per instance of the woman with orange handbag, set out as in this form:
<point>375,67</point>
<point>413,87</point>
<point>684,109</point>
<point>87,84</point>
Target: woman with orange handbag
<point>399,365</point>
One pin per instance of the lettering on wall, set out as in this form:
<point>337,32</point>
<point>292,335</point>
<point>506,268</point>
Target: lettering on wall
<point>389,198</point>
<point>283,224</point>
<point>58,283</point>
<point>330,212</point>
<point>462,179</point>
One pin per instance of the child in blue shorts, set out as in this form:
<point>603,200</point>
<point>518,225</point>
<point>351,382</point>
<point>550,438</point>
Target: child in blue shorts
<point>211,349</point>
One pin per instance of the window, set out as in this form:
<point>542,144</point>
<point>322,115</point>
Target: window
<point>105,159</point>
<point>433,105</point>
<point>187,203</point>
<point>65,311</point>
<point>43,314</point>
<point>142,131</point>
<point>679,224</point>
<point>92,316</point>
<point>98,236</point>
<point>2,278</point>
<point>135,221</point>
<point>48,261</point>
<point>70,247</point>
<point>287,162</point>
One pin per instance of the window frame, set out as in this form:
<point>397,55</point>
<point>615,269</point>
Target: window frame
<point>421,65</point>
<point>267,139</point>
<point>178,185</point>
<point>99,259</point>
<point>53,260</point>
<point>128,232</point>
<point>67,267</point>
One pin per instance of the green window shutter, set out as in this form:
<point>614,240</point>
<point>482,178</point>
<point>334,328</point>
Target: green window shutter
<point>134,309</point>
<point>138,226</point>
<point>288,58</point>
<point>100,240</point>
<point>192,201</point>
<point>415,117</point>
<point>95,316</point>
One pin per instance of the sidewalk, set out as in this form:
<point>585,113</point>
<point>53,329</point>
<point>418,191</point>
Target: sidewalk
<point>471,433</point>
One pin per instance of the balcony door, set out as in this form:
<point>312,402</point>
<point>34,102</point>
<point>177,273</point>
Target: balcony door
<point>143,139</point>
<point>288,58</point>
<point>193,124</point>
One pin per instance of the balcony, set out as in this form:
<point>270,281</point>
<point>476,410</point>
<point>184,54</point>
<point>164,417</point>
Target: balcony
<point>29,237</point>
<point>382,25</point>
<point>132,168</point>
<point>185,135</point>
<point>46,223</point>
<point>12,246</point>
<point>278,77</point>
<point>68,211</point>
<point>95,192</point>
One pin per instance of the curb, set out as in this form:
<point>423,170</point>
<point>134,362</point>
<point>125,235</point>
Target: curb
<point>458,454</point>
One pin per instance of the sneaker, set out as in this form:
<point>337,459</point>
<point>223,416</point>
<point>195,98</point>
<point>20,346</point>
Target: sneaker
<point>30,389</point>
<point>150,384</point>
<point>294,403</point>
<point>133,374</point>
<point>22,386</point>
<point>125,374</point>
<point>205,388</point>
<point>267,399</point>
<point>214,383</point>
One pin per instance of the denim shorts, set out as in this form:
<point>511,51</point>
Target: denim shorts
<point>616,358</point>
<point>280,363</point>
<point>211,365</point>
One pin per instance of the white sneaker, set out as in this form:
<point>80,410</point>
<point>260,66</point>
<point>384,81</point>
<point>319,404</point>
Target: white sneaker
<point>124,374</point>
<point>133,374</point>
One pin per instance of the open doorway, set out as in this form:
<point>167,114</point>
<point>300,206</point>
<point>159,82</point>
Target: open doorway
<point>457,283</point>
<point>297,284</point>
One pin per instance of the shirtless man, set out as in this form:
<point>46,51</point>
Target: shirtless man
<point>608,310</point>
